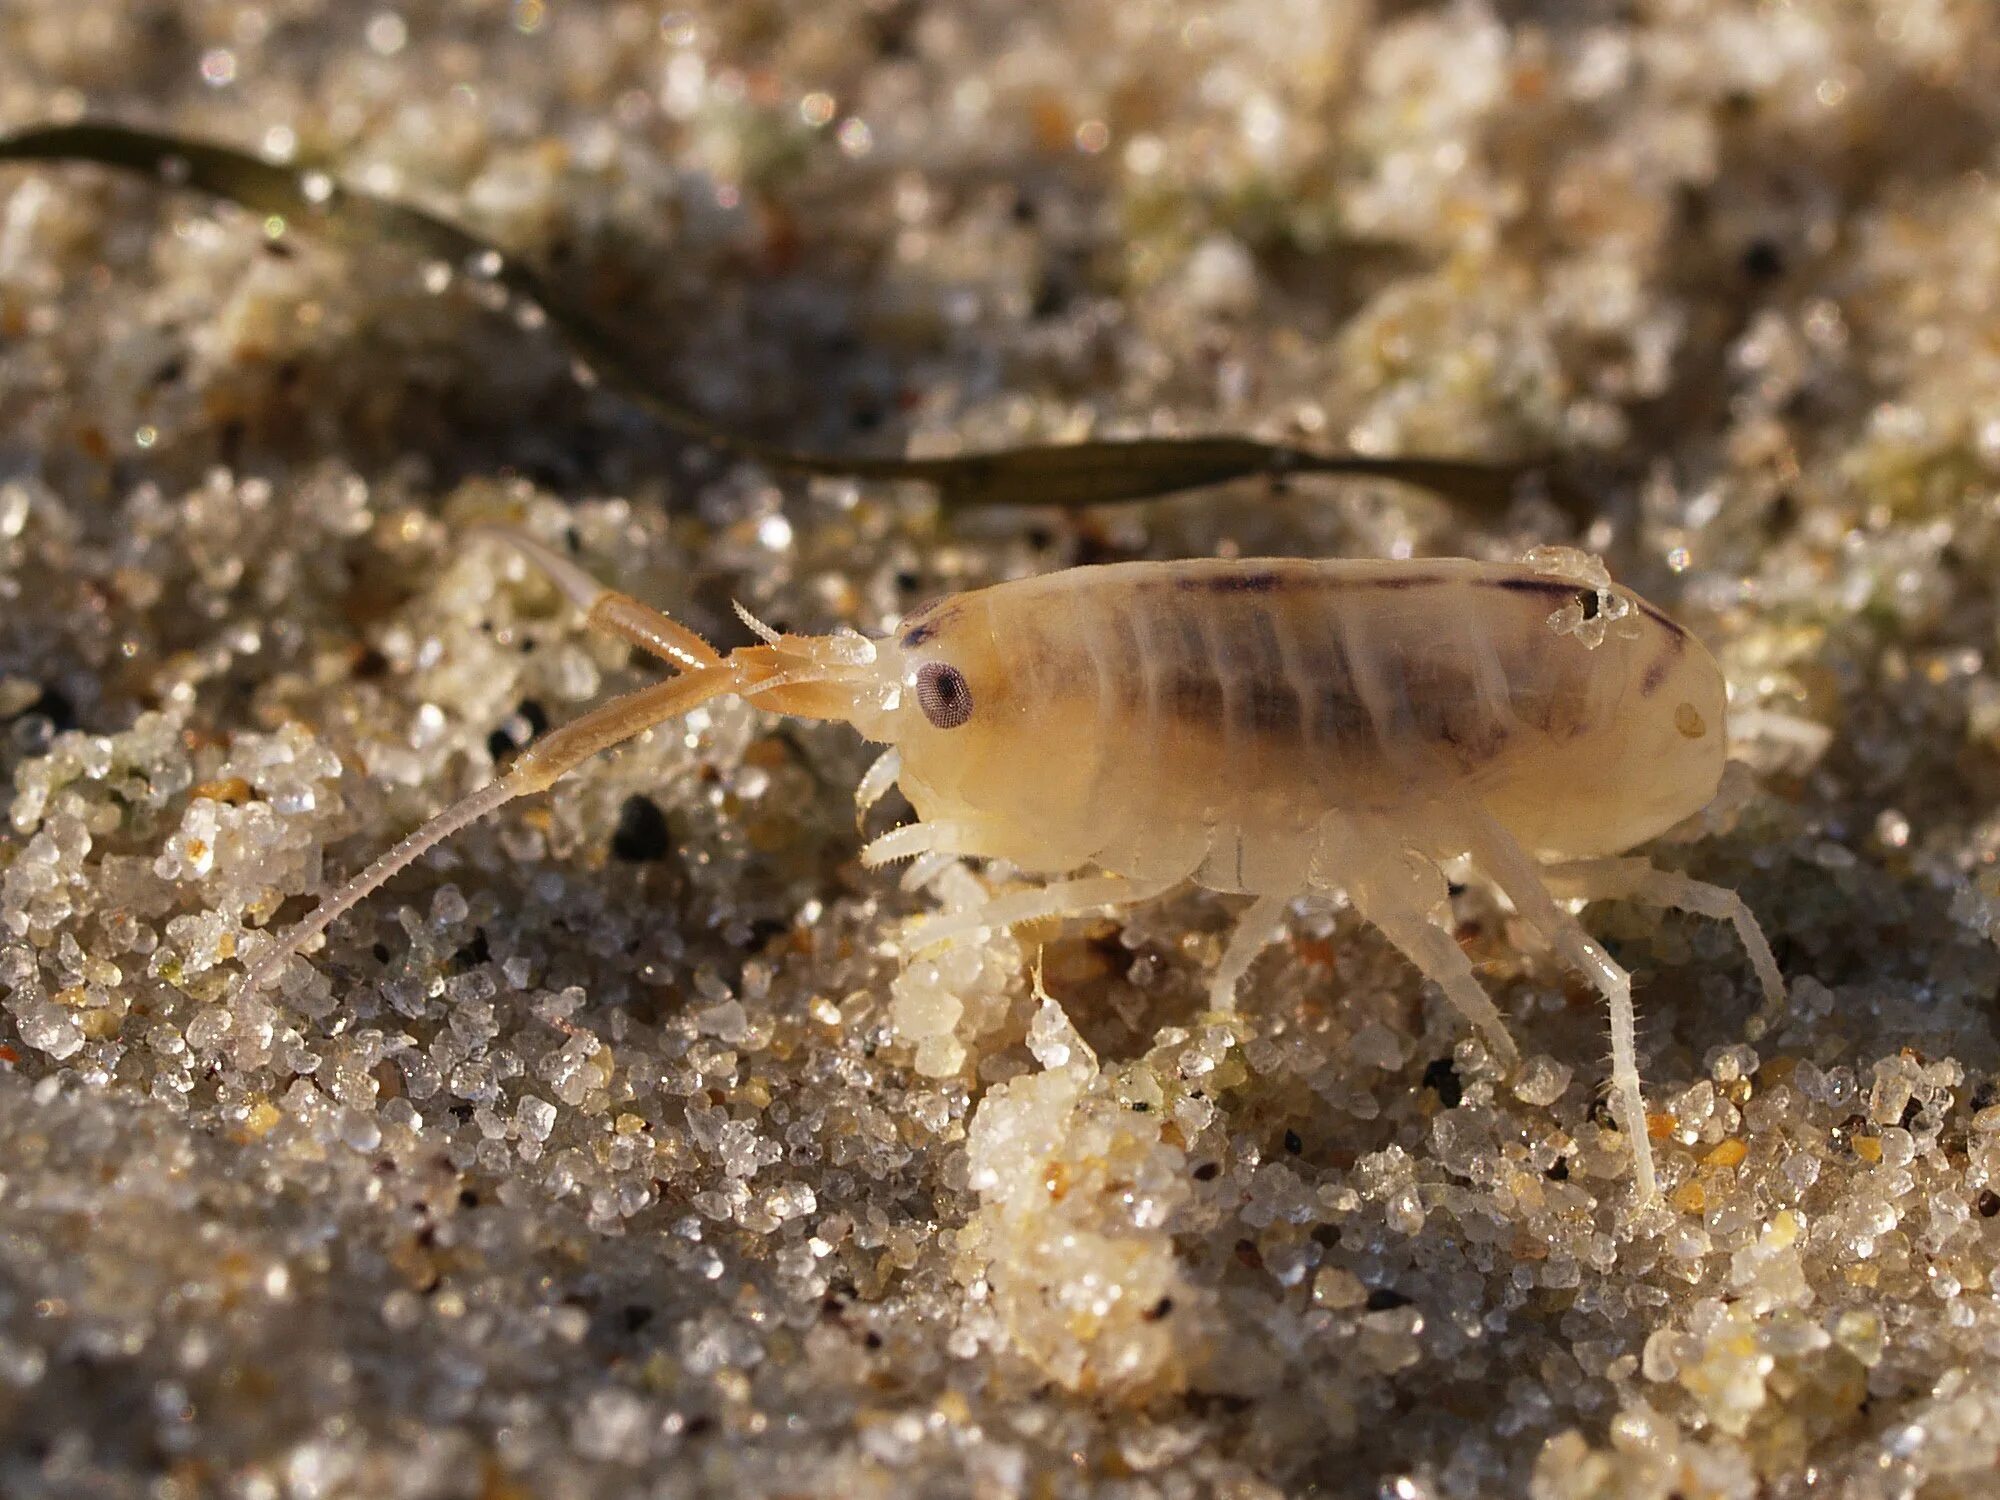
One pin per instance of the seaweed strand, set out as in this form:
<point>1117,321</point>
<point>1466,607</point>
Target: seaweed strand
<point>1067,474</point>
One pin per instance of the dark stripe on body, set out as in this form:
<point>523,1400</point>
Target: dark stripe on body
<point>1336,714</point>
<point>927,622</point>
<point>1246,682</point>
<point>1270,704</point>
<point>1260,581</point>
<point>1273,580</point>
<point>1193,694</point>
<point>1553,588</point>
<point>1550,586</point>
<point>1659,668</point>
<point>1123,653</point>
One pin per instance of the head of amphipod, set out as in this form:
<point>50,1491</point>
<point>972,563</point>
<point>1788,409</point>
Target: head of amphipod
<point>912,691</point>
<point>978,736</point>
<point>956,706</point>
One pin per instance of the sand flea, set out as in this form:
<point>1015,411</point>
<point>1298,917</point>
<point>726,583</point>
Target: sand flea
<point>1278,728</point>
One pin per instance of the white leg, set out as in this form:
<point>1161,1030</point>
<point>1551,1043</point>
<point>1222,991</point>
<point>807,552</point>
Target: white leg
<point>1254,931</point>
<point>1066,898</point>
<point>1508,865</point>
<point>1404,895</point>
<point>875,783</point>
<point>925,868</point>
<point>913,839</point>
<point>1636,880</point>
<point>1439,959</point>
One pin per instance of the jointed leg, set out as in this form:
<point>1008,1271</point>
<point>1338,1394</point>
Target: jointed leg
<point>1255,930</point>
<point>928,846</point>
<point>1495,851</point>
<point>875,783</point>
<point>913,839</point>
<point>1439,959</point>
<point>537,768</point>
<point>610,611</point>
<point>1065,898</point>
<point>1636,880</point>
<point>1402,894</point>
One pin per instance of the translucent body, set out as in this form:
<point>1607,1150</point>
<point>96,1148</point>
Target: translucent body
<point>1153,717</point>
<point>1279,729</point>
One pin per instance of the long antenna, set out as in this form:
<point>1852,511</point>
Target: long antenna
<point>462,813</point>
<point>537,768</point>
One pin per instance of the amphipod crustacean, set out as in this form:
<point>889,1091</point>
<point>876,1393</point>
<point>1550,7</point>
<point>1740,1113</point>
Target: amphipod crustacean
<point>1277,728</point>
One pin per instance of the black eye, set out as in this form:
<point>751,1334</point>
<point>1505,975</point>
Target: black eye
<point>943,695</point>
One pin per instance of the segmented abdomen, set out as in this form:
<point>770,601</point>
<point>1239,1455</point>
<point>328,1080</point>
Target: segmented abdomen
<point>1276,691</point>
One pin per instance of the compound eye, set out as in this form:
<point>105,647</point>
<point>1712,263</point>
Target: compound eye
<point>943,695</point>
